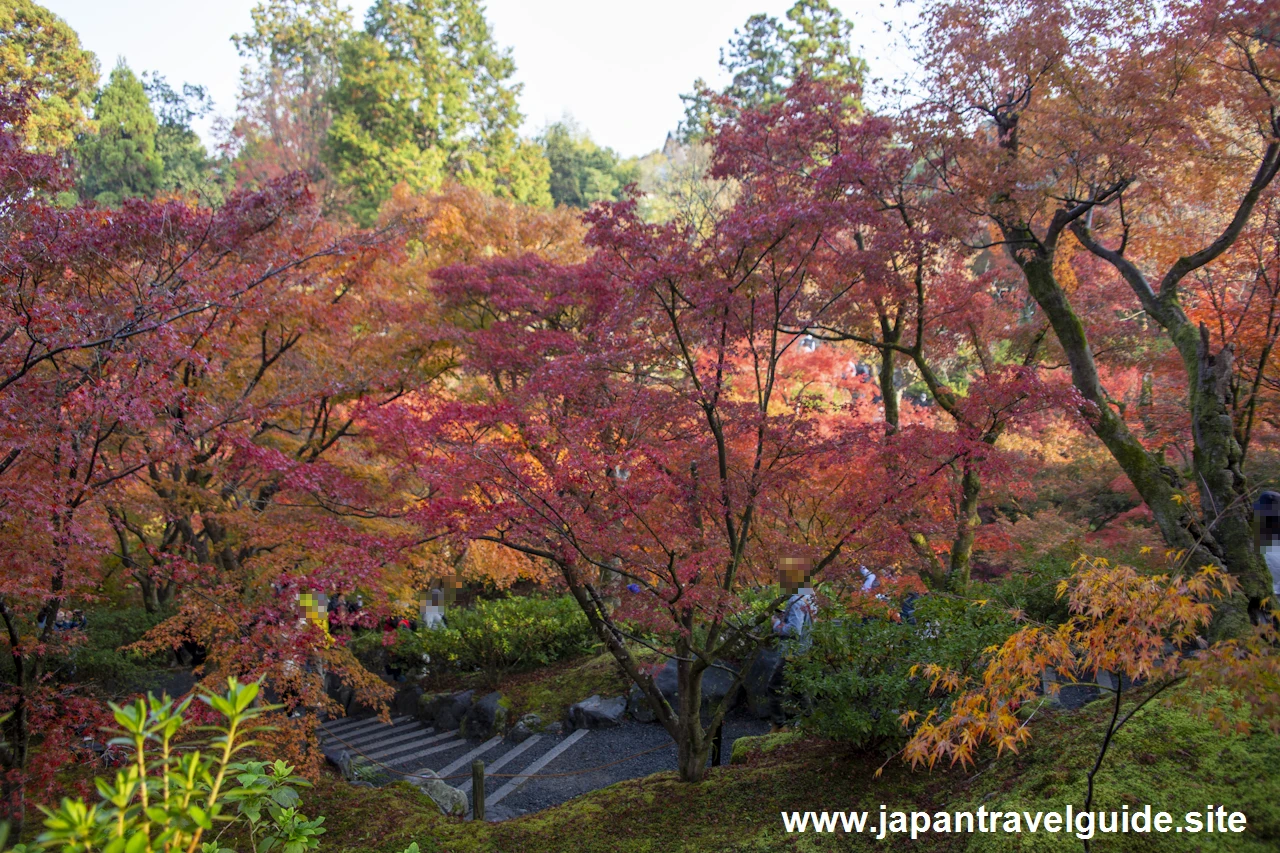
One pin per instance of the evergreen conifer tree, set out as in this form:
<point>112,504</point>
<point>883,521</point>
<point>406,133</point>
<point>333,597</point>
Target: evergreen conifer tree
<point>121,160</point>
<point>424,94</point>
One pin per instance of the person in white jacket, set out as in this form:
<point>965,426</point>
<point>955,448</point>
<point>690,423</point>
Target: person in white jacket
<point>794,626</point>
<point>1266,515</point>
<point>796,619</point>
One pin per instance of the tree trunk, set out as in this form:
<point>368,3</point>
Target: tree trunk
<point>18,735</point>
<point>1217,459</point>
<point>165,594</point>
<point>692,758</point>
<point>16,749</point>
<point>147,586</point>
<point>1223,536</point>
<point>891,334</point>
<point>692,744</point>
<point>967,522</point>
<point>932,572</point>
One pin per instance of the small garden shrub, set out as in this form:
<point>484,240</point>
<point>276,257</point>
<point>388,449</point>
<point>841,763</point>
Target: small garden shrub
<point>856,677</point>
<point>94,654</point>
<point>1034,589</point>
<point>508,634</point>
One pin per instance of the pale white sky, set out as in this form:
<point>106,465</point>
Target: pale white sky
<point>618,68</point>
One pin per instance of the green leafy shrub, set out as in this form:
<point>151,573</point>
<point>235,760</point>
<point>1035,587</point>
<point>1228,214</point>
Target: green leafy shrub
<point>269,803</point>
<point>857,675</point>
<point>1034,590</point>
<point>507,634</point>
<point>98,657</point>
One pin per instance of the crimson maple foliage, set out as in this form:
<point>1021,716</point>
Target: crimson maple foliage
<point>641,422</point>
<point>1149,135</point>
<point>143,422</point>
<point>891,272</point>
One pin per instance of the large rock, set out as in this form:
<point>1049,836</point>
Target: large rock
<point>759,697</point>
<point>745,748</point>
<point>353,766</point>
<point>406,700</point>
<point>337,755</point>
<point>451,800</point>
<point>345,697</point>
<point>716,683</point>
<point>1069,694</point>
<point>524,728</point>
<point>597,713</point>
<point>428,704</point>
<point>485,718</point>
<point>359,708</point>
<point>444,711</point>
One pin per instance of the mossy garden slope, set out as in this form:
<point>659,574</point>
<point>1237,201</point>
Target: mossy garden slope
<point>1168,757</point>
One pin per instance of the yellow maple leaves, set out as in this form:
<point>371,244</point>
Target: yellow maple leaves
<point>1123,623</point>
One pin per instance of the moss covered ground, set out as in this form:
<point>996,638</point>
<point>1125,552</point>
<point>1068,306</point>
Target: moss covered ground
<point>1169,757</point>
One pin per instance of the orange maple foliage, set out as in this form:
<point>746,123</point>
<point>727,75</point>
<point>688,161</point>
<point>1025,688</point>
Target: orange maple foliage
<point>1129,625</point>
<point>492,564</point>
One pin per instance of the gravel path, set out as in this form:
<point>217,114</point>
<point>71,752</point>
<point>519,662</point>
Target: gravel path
<point>605,745</point>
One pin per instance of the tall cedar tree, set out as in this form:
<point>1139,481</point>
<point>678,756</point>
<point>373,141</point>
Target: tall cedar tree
<point>186,165</point>
<point>768,55</point>
<point>120,160</point>
<point>425,94</point>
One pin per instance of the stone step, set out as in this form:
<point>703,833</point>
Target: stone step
<point>415,757</point>
<point>364,740</point>
<point>465,760</point>
<point>513,785</point>
<point>379,739</point>
<point>426,741</point>
<point>424,737</point>
<point>342,724</point>
<point>359,726</point>
<point>505,759</point>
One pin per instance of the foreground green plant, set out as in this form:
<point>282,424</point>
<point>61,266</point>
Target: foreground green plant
<point>169,799</point>
<point>269,803</point>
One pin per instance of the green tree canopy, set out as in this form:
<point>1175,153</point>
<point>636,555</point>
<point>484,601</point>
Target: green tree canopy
<point>40,50</point>
<point>185,163</point>
<point>300,40</point>
<point>767,55</point>
<point>121,160</point>
<point>424,93</point>
<point>581,171</point>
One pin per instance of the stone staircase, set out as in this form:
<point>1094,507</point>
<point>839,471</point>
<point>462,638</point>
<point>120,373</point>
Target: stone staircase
<point>382,753</point>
